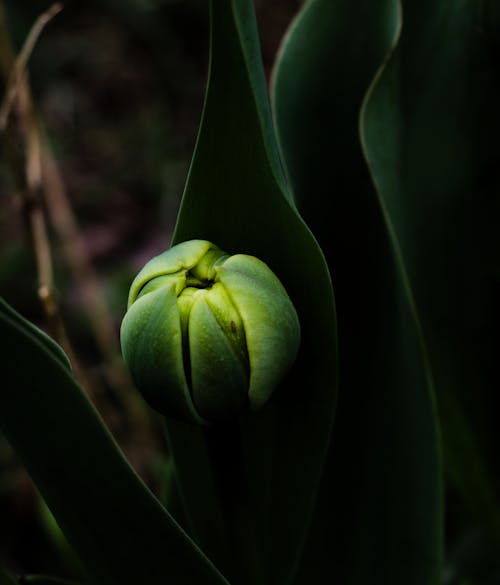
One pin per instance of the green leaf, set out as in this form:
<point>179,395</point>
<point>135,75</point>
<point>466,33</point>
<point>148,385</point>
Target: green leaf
<point>71,562</point>
<point>261,474</point>
<point>430,129</point>
<point>379,517</point>
<point>47,342</point>
<point>117,527</point>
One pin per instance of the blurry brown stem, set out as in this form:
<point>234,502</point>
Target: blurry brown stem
<point>100,320</point>
<point>43,178</point>
<point>18,95</point>
<point>18,73</point>
<point>66,226</point>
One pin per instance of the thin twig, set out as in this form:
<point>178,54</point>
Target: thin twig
<point>88,283</point>
<point>18,73</point>
<point>32,195</point>
<point>45,182</point>
<point>38,225</point>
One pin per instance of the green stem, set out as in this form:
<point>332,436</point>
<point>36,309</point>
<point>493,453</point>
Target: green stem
<point>226,452</point>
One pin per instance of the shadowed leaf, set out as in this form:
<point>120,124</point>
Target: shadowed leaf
<point>430,131</point>
<point>118,528</point>
<point>260,476</point>
<point>379,515</point>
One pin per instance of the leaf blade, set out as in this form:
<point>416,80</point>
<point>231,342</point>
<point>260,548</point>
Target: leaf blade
<point>377,492</point>
<point>122,534</point>
<point>235,198</point>
<point>432,167</point>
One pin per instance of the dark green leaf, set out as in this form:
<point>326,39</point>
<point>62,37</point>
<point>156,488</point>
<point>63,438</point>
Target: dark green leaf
<point>118,528</point>
<point>47,342</point>
<point>379,518</point>
<point>430,129</point>
<point>70,559</point>
<point>260,476</point>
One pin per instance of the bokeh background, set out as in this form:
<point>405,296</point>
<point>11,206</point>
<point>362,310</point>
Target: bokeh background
<point>117,90</point>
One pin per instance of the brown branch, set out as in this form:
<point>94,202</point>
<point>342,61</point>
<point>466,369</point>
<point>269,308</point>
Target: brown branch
<point>18,72</point>
<point>36,218</point>
<point>45,185</point>
<point>18,95</point>
<point>88,283</point>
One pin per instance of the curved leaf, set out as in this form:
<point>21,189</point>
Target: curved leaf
<point>47,342</point>
<point>118,528</point>
<point>260,476</point>
<point>430,129</point>
<point>379,518</point>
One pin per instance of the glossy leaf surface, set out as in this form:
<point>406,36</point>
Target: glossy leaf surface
<point>119,529</point>
<point>260,474</point>
<point>379,518</point>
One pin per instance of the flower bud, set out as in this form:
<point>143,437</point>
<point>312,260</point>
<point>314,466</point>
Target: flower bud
<point>208,335</point>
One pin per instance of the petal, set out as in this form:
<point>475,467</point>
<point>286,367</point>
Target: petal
<point>271,323</point>
<point>179,258</point>
<point>152,348</point>
<point>219,375</point>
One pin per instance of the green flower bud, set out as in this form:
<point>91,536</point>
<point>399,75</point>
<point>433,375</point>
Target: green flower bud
<point>207,335</point>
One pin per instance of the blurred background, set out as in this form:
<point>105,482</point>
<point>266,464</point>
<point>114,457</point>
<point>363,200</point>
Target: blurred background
<point>94,155</point>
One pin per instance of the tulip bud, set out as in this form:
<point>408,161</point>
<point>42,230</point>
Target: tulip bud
<point>207,335</point>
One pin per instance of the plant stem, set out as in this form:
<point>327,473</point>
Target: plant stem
<point>18,95</point>
<point>225,447</point>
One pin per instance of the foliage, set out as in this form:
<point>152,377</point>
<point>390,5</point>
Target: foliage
<point>382,139</point>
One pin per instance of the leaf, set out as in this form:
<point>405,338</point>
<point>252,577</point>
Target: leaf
<point>259,475</point>
<point>379,516</point>
<point>430,130</point>
<point>47,342</point>
<point>69,558</point>
<point>117,527</point>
